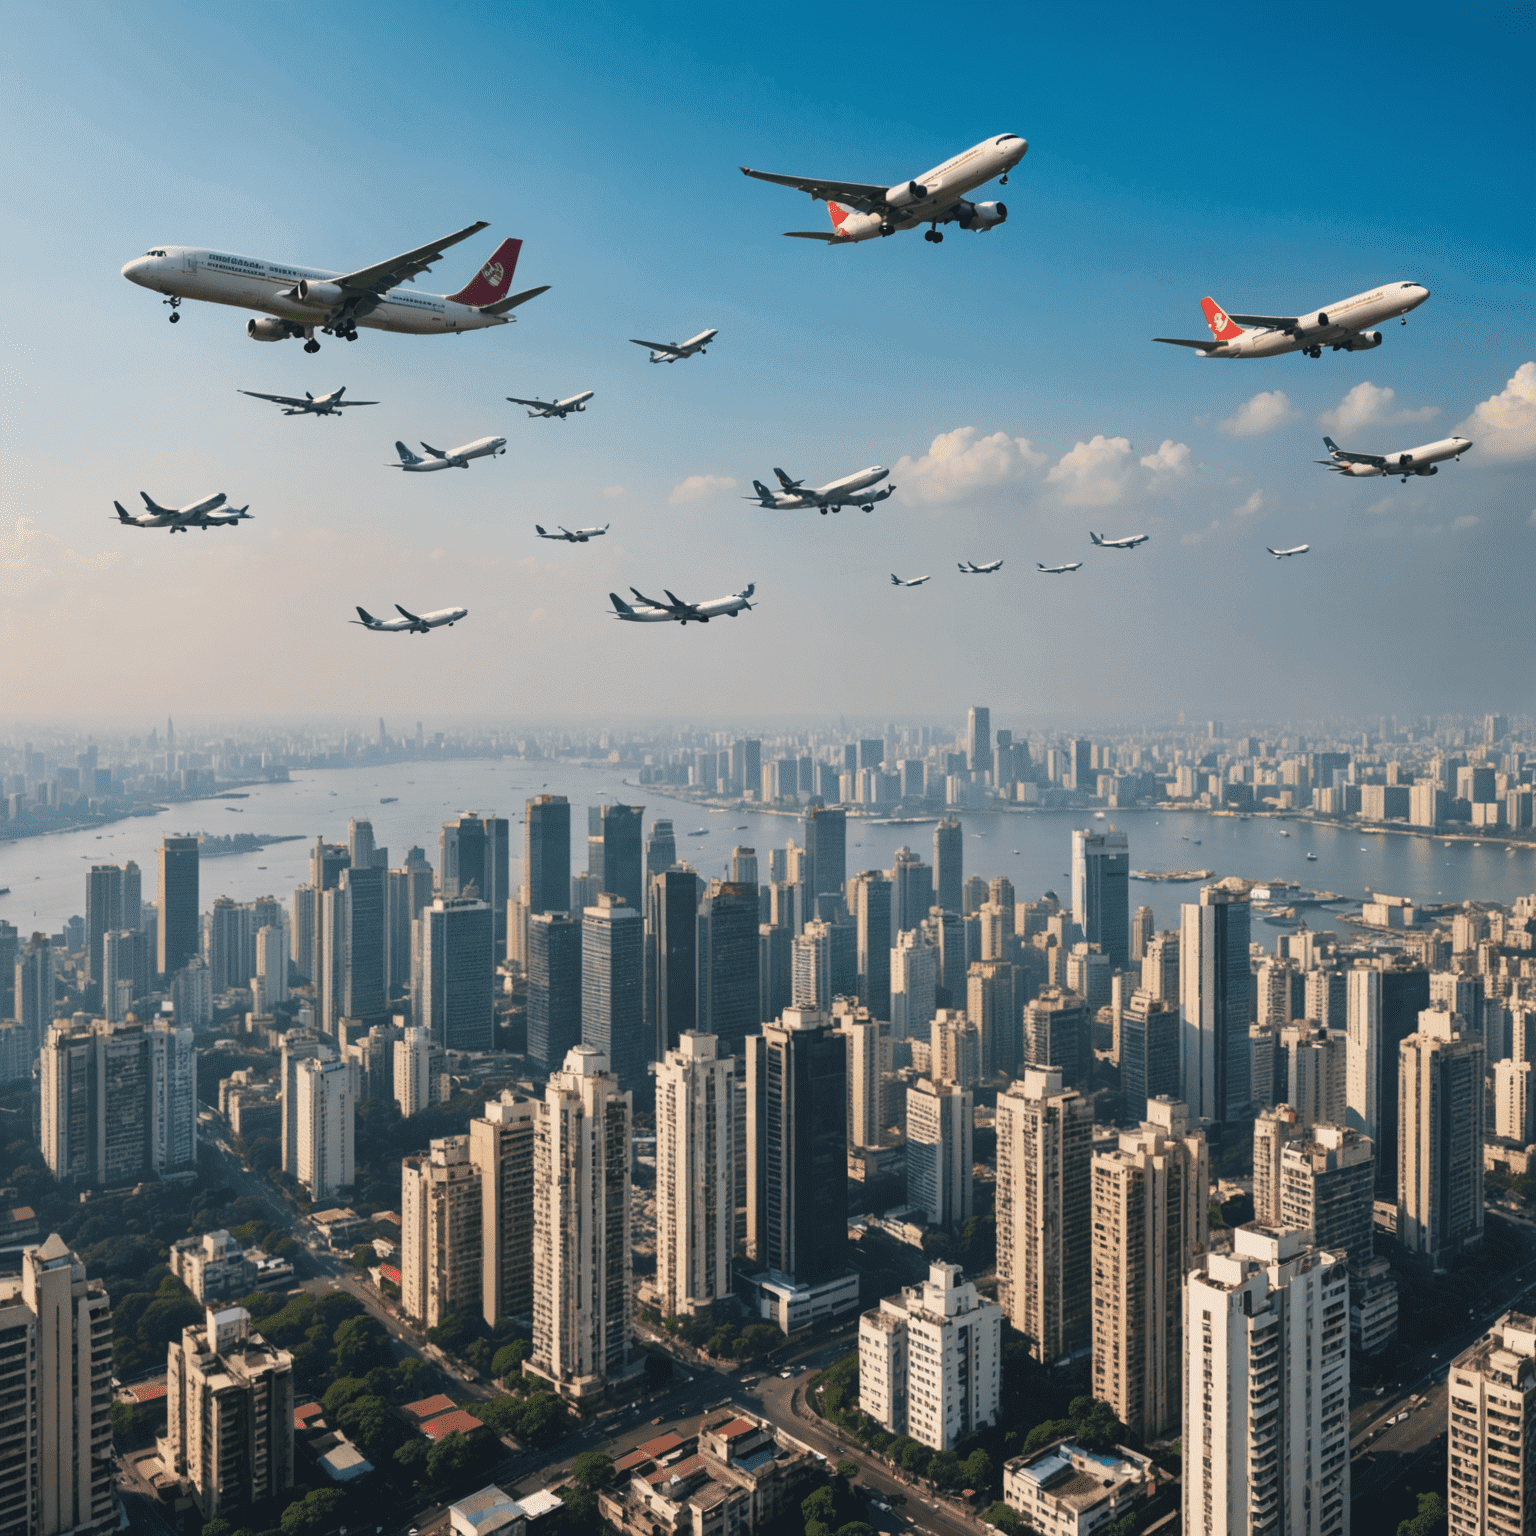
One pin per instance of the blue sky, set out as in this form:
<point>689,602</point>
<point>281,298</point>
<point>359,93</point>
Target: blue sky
<point>1276,160</point>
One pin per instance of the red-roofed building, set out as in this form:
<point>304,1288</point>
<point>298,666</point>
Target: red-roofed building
<point>391,1272</point>
<point>308,1416</point>
<point>147,1391</point>
<point>427,1407</point>
<point>390,1218</point>
<point>631,1461</point>
<point>446,1424</point>
<point>661,1445</point>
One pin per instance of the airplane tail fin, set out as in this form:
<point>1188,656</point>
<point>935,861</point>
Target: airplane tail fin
<point>494,280</point>
<point>501,306</point>
<point>366,617</point>
<point>895,579</point>
<point>1222,326</point>
<point>838,213</point>
<point>1330,445</point>
<point>762,490</point>
<point>1096,539</point>
<point>122,515</point>
<point>619,605</point>
<point>750,589</point>
<point>406,456</point>
<point>786,482</point>
<point>538,528</point>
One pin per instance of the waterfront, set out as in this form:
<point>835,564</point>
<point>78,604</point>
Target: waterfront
<point>1033,848</point>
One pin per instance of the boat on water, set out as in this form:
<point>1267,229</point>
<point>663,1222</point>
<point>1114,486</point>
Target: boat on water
<point>1284,833</point>
<point>388,799</point>
<point>1312,858</point>
<point>702,832</point>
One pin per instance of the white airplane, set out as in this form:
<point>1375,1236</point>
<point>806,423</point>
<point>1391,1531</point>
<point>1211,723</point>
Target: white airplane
<point>298,301</point>
<point>851,491</point>
<point>1057,570</point>
<point>916,581</point>
<point>1344,326</point>
<point>861,211</point>
<point>411,623</point>
<point>454,458</point>
<point>202,513</point>
<point>675,351</point>
<point>1130,541</point>
<point>559,408</point>
<point>647,610</point>
<point>310,405</point>
<point>970,568</point>
<point>1405,462</point>
<point>574,535</point>
<point>1280,554</point>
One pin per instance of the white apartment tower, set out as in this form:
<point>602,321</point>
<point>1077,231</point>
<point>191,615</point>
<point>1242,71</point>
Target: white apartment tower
<point>1266,1388</point>
<point>326,1109</point>
<point>582,1328</point>
<point>413,1072</point>
<point>501,1150</point>
<point>440,1232</point>
<point>869,1063</point>
<point>1492,1437</point>
<point>1514,1102</point>
<point>914,977</point>
<point>940,1133</point>
<point>695,1175</point>
<point>1044,1149</point>
<point>1151,1220</point>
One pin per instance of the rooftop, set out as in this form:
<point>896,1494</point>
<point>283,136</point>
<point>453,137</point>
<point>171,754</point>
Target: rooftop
<point>425,1407</point>
<point>458,1422</point>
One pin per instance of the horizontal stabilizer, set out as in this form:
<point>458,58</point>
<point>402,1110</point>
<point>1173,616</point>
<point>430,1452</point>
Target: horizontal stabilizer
<point>1175,341</point>
<point>814,234</point>
<point>501,306</point>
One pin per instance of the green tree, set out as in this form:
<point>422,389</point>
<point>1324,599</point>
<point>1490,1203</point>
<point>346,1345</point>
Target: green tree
<point>847,1470</point>
<point>593,1471</point>
<point>368,1420</point>
<point>856,1528</point>
<point>341,1392</point>
<point>976,1469</point>
<point>914,1458</point>
<point>411,1458</point>
<point>944,1469</point>
<point>1004,1518</point>
<point>311,1513</point>
<point>508,1358</point>
<point>363,1256</point>
<point>362,1344</point>
<point>818,1505</point>
<point>1429,1521</point>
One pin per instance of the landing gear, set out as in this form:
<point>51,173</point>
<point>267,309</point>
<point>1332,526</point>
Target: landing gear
<point>1314,351</point>
<point>887,229</point>
<point>175,304</point>
<point>350,334</point>
<point>823,511</point>
<point>933,235</point>
<point>311,345</point>
<point>1403,321</point>
<point>1002,180</point>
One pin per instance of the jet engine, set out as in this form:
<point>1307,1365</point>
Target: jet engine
<point>1363,342</point>
<point>905,193</point>
<point>980,215</point>
<point>319,295</point>
<point>267,329</point>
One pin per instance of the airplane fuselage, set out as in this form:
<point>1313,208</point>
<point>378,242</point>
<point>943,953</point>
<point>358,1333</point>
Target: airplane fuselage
<point>1405,461</point>
<point>834,494</point>
<point>420,624</point>
<point>697,613</point>
<point>1345,324</point>
<point>272,288</point>
<point>455,458</point>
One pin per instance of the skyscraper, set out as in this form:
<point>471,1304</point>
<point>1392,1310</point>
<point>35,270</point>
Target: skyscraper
<point>728,963</point>
<point>948,863</point>
<point>180,925</point>
<point>103,913</point>
<point>1316,1076</point>
<point>1142,929</point>
<point>35,989</point>
<point>1101,873</point>
<point>354,960</point>
<point>1383,1005</point>
<point>612,987</point>
<point>1214,982</point>
<point>1492,1430</point>
<point>501,1150</point>
<point>660,849</point>
<point>326,1116</point>
<point>461,856</point>
<point>1160,967</point>
<point>412,1077</point>
<point>1149,1052</point>
<point>1327,1186</point>
<point>869,1064</point>
<point>623,869</point>
<point>456,999</point>
<point>826,851</point>
<point>1044,1148</point>
<point>547,853</point>
<point>911,891</point>
<point>992,1003</point>
<point>56,1432</point>
<point>440,1232</point>
<point>672,934</point>
<point>1266,1366</point>
<point>554,987</point>
<point>775,970</point>
<point>744,866</point>
<point>940,1130</point>
<point>407,890</point>
<point>695,1175</point>
<point>1058,1033</point>
<point>869,901</point>
<point>978,739</point>
<point>811,968</point>
<point>914,985</point>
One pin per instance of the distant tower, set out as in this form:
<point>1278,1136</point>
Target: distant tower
<point>180,926</point>
<point>673,975</point>
<point>948,863</point>
<point>1101,872</point>
<point>1214,983</point>
<point>978,741</point>
<point>612,986</point>
<point>554,987</point>
<point>547,853</point>
<point>870,904</point>
<point>826,850</point>
<point>729,983</point>
<point>623,864</point>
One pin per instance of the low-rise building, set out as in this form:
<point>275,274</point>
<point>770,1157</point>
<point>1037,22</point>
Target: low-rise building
<point>213,1267</point>
<point>1069,1491</point>
<point>1372,1308</point>
<point>487,1513</point>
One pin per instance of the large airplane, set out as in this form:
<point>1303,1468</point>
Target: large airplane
<point>411,623</point>
<point>573,535</point>
<point>298,301</point>
<point>1130,541</point>
<point>1281,554</point>
<point>1405,462</point>
<point>851,491</point>
<point>970,568</point>
<point>1344,326</point>
<point>1057,570</point>
<point>861,211</point>
<point>454,458</point>
<point>310,405</point>
<point>676,351</point>
<point>646,610</point>
<point>202,513</point>
<point>915,581</point>
<point>559,408</point>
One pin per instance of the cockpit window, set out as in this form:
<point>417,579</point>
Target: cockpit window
<point>1410,285</point>
<point>154,253</point>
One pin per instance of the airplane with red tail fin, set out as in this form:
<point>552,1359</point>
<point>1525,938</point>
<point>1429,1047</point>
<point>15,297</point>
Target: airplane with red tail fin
<point>1344,326</point>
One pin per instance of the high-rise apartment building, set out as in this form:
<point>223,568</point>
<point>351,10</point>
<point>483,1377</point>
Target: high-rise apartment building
<point>1214,987</point>
<point>672,974</point>
<point>810,963</point>
<point>911,890</point>
<point>869,903</point>
<point>128,970</point>
<point>1149,1051</point>
<point>948,863</point>
<point>619,827</point>
<point>547,853</point>
<point>1044,1150</point>
<point>325,1109</point>
<point>612,987</point>
<point>914,984</point>
<point>354,957</point>
<point>1327,1185</point>
<point>1273,1129</point>
<point>1492,1431</point>
<point>1317,1073</point>
<point>501,1152</point>
<point>729,980</point>
<point>1383,1004</point>
<point>940,1133</point>
<point>103,913</point>
<point>1143,929</point>
<point>412,1076</point>
<point>869,1063</point>
<point>229,1413</point>
<point>455,939</point>
<point>826,850</point>
<point>554,987</point>
<point>1150,1219</point>
<point>1160,967</point>
<point>992,1004</point>
<point>180,924</point>
<point>272,965</point>
<point>304,933</point>
<point>582,1322</point>
<point>1101,875</point>
<point>954,1048</point>
<point>660,848</point>
<point>775,970</point>
<point>56,1468</point>
<point>978,740</point>
<point>35,990</point>
<point>1058,1032</point>
<point>298,1045</point>
<point>1266,1388</point>
<point>440,1232</point>
<point>1514,1101</point>
<point>1440,1143</point>
<point>695,1175</point>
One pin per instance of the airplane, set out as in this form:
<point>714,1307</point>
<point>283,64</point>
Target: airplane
<point>310,405</point>
<point>411,623</point>
<point>851,491</point>
<point>298,301</point>
<point>1280,554</point>
<point>675,351</point>
<point>1130,541</point>
<point>1344,326</point>
<point>559,408</point>
<point>1405,462</point>
<point>860,211</point>
<point>1057,570</point>
<point>970,568</point>
<point>574,535</point>
<point>647,610</point>
<point>916,581</point>
<point>454,458</point>
<point>202,513</point>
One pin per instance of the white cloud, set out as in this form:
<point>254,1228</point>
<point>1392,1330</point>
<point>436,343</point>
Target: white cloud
<point>1504,427</point>
<point>962,462</point>
<point>1093,474</point>
<point>1170,462</point>
<point>1263,413</point>
<point>1465,522</point>
<point>613,490</point>
<point>1254,504</point>
<point>1195,538</point>
<point>697,487</point>
<point>1384,505</point>
<point>1370,405</point>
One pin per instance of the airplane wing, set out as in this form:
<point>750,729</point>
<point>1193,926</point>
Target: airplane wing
<point>1379,460</point>
<point>542,405</point>
<point>406,613</point>
<point>657,346</point>
<point>289,399</point>
<point>1274,322</point>
<point>856,194</point>
<point>1176,341</point>
<point>650,602</point>
<point>371,283</point>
